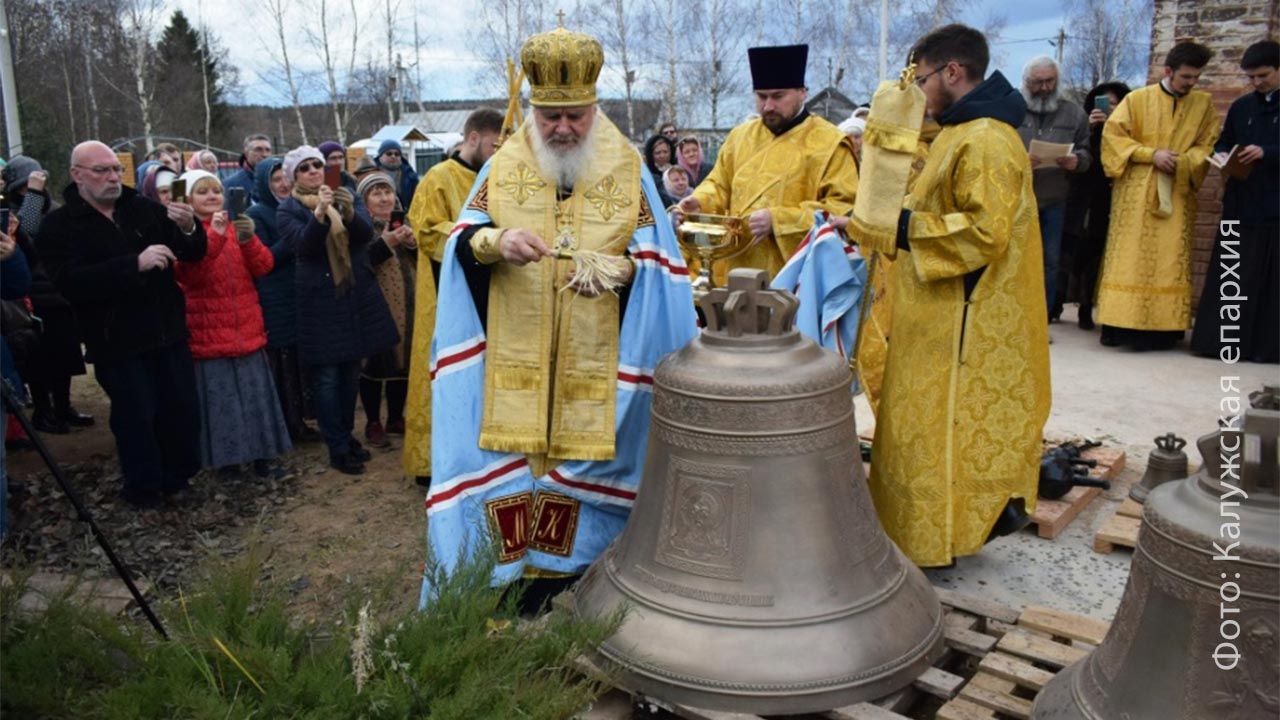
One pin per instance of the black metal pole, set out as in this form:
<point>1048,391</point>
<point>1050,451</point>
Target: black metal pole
<point>11,405</point>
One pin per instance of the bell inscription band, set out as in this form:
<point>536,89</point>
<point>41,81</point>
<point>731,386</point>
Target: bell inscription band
<point>756,574</point>
<point>1198,628</point>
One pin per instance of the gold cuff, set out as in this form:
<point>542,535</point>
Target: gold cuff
<point>485,245</point>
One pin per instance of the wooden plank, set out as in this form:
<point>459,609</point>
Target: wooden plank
<point>863,711</point>
<point>939,683</point>
<point>1052,516</point>
<point>1064,624</point>
<point>969,642</point>
<point>1118,531</point>
<point>1000,702</point>
<point>1110,461</point>
<point>978,606</point>
<point>1130,508</point>
<point>961,709</point>
<point>1039,649</point>
<point>992,683</point>
<point>1012,669</point>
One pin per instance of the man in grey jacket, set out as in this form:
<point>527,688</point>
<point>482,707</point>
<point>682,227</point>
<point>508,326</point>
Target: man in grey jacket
<point>1052,119</point>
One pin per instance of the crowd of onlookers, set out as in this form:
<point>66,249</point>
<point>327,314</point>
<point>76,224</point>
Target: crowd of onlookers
<point>225,306</point>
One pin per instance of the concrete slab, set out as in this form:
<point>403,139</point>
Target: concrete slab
<point>1124,399</point>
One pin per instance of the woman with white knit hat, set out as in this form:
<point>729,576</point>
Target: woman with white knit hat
<point>241,419</point>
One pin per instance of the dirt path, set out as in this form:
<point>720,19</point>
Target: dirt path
<point>330,539</point>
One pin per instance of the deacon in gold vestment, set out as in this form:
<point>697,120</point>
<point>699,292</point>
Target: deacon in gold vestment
<point>436,205</point>
<point>966,386</point>
<point>776,170</point>
<point>559,293</point>
<point>1156,145</point>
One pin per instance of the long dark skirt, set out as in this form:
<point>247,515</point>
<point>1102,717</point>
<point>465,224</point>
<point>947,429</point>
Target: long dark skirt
<point>1258,268</point>
<point>239,410</point>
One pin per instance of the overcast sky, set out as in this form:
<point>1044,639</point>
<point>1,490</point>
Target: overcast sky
<point>452,71</point>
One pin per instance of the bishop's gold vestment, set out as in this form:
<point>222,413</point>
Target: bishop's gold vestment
<point>809,167</point>
<point>1146,269</point>
<point>435,208</point>
<point>551,366</point>
<point>966,386</point>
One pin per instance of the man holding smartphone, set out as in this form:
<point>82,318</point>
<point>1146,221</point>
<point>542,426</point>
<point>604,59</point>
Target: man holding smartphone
<point>111,252</point>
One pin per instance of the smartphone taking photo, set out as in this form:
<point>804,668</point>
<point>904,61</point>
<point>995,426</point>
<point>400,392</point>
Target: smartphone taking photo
<point>178,190</point>
<point>237,202</point>
<point>333,176</point>
<point>397,220</point>
<point>1103,103</point>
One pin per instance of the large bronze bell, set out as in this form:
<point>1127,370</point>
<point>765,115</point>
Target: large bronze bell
<point>1164,464</point>
<point>1197,634</point>
<point>756,573</point>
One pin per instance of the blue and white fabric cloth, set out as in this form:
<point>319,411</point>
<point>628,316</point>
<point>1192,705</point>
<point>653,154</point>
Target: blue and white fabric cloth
<point>476,491</point>
<point>829,276</point>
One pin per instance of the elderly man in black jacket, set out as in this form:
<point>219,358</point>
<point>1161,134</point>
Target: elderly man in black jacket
<point>111,252</point>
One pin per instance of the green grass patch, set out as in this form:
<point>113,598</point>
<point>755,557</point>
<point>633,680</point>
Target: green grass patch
<point>236,653</point>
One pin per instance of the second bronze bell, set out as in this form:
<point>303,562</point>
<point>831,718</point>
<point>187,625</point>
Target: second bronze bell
<point>1166,463</point>
<point>755,572</point>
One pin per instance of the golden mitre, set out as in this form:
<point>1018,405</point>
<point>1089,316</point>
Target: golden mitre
<point>562,67</point>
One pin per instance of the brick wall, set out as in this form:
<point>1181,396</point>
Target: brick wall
<point>1227,27</point>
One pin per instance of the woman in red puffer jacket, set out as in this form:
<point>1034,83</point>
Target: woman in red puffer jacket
<point>240,412</point>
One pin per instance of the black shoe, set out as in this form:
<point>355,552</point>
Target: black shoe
<point>1085,318</point>
<point>1012,519</point>
<point>49,425</point>
<point>75,418</point>
<point>175,487</point>
<point>346,464</point>
<point>357,451</point>
<point>423,480</point>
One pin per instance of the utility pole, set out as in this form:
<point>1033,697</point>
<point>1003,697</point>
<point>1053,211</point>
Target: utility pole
<point>1062,40</point>
<point>13,127</point>
<point>884,40</point>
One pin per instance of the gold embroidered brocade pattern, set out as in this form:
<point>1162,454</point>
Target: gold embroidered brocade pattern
<point>521,183</point>
<point>948,459</point>
<point>1145,279</point>
<point>608,198</point>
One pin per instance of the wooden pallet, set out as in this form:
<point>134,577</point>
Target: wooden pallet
<point>996,659</point>
<point>1025,657</point>
<point>1121,529</point>
<point>1052,516</point>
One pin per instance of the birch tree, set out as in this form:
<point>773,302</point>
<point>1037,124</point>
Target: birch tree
<point>328,47</point>
<point>140,22</point>
<point>278,49</point>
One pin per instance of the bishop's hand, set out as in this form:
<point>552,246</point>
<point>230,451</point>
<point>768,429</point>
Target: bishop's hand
<point>521,247</point>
